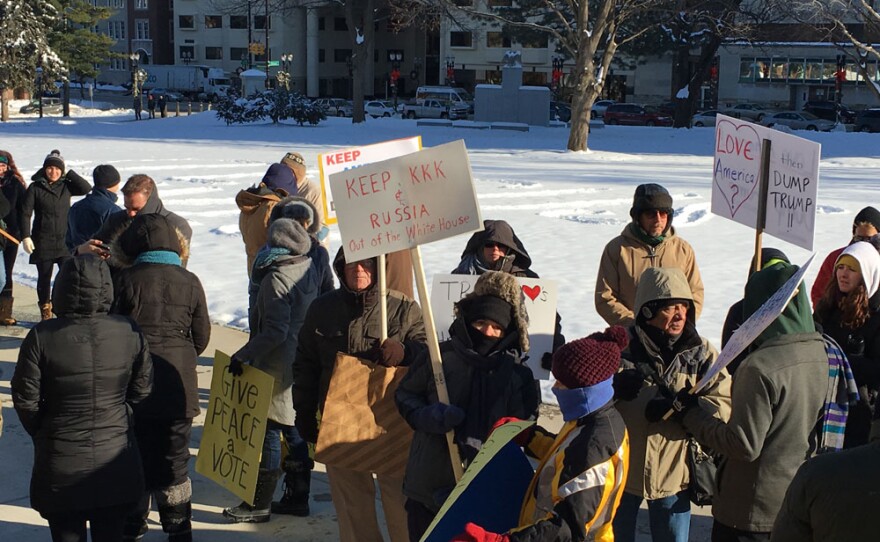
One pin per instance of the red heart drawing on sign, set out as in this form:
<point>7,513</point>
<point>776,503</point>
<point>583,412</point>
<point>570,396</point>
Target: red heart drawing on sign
<point>531,292</point>
<point>737,162</point>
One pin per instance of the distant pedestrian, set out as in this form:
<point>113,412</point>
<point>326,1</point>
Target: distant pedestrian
<point>14,188</point>
<point>151,105</point>
<point>76,382</point>
<point>163,105</point>
<point>137,107</point>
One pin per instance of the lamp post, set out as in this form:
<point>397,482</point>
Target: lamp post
<point>558,62</point>
<point>395,57</point>
<point>450,70</point>
<point>283,75</point>
<point>134,58</point>
<point>40,88</point>
<point>186,56</point>
<point>348,62</point>
<point>839,78</point>
<point>417,69</point>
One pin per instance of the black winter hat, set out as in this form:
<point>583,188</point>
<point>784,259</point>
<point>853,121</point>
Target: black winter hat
<point>280,176</point>
<point>150,232</point>
<point>869,215</point>
<point>105,176</point>
<point>649,197</point>
<point>488,307</point>
<point>54,159</point>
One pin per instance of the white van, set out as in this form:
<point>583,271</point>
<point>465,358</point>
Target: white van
<point>445,94</point>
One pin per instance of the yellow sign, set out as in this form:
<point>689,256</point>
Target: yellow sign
<point>257,48</point>
<point>232,440</point>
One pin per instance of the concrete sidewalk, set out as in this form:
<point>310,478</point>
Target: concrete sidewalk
<point>19,522</point>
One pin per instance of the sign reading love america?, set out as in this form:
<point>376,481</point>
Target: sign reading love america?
<point>539,297</point>
<point>793,180</point>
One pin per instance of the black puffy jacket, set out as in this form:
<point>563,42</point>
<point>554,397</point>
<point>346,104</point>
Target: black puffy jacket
<point>75,381</point>
<point>168,303</point>
<point>49,204</point>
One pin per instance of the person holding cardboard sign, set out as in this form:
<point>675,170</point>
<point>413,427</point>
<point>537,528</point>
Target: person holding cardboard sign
<point>486,382</point>
<point>347,321</point>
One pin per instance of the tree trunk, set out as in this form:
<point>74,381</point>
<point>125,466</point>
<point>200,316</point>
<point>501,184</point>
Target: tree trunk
<point>359,15</point>
<point>66,102</point>
<point>4,106</point>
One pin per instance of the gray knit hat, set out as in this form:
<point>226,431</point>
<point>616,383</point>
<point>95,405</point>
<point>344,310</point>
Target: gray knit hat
<point>54,159</point>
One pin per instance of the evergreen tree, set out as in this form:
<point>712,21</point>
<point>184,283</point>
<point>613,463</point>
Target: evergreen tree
<point>78,43</point>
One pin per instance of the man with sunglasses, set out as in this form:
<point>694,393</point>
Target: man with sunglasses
<point>648,241</point>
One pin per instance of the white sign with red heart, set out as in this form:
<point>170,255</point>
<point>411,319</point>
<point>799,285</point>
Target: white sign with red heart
<point>792,186</point>
<point>539,298</point>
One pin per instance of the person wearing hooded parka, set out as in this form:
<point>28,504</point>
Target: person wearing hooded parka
<point>168,303</point>
<point>76,381</point>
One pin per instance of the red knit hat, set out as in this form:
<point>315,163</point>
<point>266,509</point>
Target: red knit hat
<point>588,361</point>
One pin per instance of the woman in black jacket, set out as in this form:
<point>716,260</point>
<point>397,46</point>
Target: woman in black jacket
<point>48,200</point>
<point>168,303</point>
<point>75,383</point>
<point>13,188</point>
<point>849,312</point>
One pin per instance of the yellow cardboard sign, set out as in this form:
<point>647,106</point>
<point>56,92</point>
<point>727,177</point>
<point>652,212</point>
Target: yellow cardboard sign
<point>235,425</point>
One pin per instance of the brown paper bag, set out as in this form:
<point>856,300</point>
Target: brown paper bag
<point>361,428</point>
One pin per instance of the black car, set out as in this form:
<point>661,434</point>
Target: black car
<point>868,120</point>
<point>827,109</point>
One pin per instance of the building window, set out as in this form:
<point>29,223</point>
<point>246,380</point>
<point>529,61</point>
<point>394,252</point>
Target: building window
<point>238,53</point>
<point>813,70</point>
<point>321,23</point>
<point>341,55</point>
<point>500,3</point>
<point>497,39</point>
<point>213,21</point>
<point>142,29</point>
<point>238,21</point>
<point>118,3</point>
<point>779,69</point>
<point>260,22</point>
<point>213,53</point>
<point>796,69</point>
<point>463,3</point>
<point>118,64</point>
<point>538,41</point>
<point>321,56</point>
<point>186,51</point>
<point>339,24</point>
<point>186,21</point>
<point>116,30</point>
<point>461,39</point>
<point>141,4</point>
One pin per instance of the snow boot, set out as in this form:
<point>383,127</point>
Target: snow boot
<point>175,511</point>
<point>46,311</point>
<point>260,511</point>
<point>297,484</point>
<point>6,318</point>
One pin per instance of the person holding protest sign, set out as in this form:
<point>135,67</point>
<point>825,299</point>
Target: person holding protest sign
<point>849,312</point>
<point>778,398</point>
<point>648,241</point>
<point>283,286</point>
<point>168,303</point>
<point>347,320</point>
<point>865,226</point>
<point>579,480</point>
<point>665,354</point>
<point>75,383</point>
<point>485,381</point>
<point>256,203</point>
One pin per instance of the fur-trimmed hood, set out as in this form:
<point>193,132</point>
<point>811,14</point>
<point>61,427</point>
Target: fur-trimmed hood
<point>507,288</point>
<point>147,232</point>
<point>297,208</point>
<point>289,234</point>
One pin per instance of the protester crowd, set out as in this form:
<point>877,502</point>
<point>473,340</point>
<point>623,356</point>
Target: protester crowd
<point>106,383</point>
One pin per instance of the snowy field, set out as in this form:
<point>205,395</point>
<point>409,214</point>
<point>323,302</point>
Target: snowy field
<point>564,206</point>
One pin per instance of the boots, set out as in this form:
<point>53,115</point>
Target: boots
<point>297,484</point>
<point>6,318</point>
<point>259,512</point>
<point>175,511</point>
<point>46,311</point>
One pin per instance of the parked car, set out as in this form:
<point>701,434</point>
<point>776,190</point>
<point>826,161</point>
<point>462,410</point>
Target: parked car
<point>826,109</point>
<point>331,106</point>
<point>560,111</point>
<point>170,96</point>
<point>345,109</point>
<point>51,106</point>
<point>599,107</point>
<point>436,109</point>
<point>798,120</point>
<point>748,111</point>
<point>377,108</point>
<point>868,120</point>
<point>705,118</point>
<point>636,115</point>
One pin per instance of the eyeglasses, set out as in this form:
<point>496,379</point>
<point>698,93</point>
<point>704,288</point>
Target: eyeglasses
<point>657,212</point>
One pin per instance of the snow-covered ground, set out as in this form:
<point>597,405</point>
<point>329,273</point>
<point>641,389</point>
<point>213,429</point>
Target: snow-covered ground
<point>564,206</point>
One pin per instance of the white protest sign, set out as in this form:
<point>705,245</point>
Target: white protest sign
<point>792,185</point>
<point>755,324</point>
<point>539,297</point>
<point>407,201</point>
<point>334,162</point>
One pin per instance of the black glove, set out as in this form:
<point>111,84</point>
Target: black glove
<point>627,384</point>
<point>438,418</point>
<point>307,426</point>
<point>657,408</point>
<point>855,345</point>
<point>236,366</point>
<point>547,361</point>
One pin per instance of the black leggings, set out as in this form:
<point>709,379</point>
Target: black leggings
<point>44,278</point>
<point>105,524</point>
<point>10,253</point>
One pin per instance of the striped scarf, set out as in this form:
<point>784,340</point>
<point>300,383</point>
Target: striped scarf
<point>841,393</point>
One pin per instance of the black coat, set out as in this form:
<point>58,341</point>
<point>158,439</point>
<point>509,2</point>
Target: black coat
<point>14,192</point>
<point>168,303</point>
<point>75,381</point>
<point>49,204</point>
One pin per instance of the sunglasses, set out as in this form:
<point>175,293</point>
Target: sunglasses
<point>490,244</point>
<point>657,212</point>
<point>366,264</point>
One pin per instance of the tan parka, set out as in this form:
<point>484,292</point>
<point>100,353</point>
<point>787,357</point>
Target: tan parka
<point>256,206</point>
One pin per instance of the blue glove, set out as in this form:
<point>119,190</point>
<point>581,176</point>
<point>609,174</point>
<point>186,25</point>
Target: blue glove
<point>437,419</point>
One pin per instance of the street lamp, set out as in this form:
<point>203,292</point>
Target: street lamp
<point>283,75</point>
<point>395,57</point>
<point>134,58</point>
<point>839,78</point>
<point>40,88</point>
<point>450,70</point>
<point>187,57</point>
